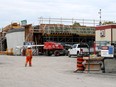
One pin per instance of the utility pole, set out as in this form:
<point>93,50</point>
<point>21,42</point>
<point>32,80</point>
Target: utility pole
<point>100,16</point>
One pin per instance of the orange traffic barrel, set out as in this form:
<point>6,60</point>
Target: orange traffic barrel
<point>79,65</point>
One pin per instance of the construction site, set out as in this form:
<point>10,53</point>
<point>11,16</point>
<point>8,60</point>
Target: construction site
<point>65,31</point>
<point>58,36</point>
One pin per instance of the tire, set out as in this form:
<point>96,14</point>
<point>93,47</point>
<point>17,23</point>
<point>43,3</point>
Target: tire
<point>56,53</point>
<point>69,54</point>
<point>48,53</point>
<point>66,53</point>
<point>77,53</point>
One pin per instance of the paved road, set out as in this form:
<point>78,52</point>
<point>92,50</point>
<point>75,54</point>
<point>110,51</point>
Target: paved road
<point>49,72</point>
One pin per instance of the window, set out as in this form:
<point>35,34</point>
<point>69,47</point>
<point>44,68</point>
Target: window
<point>102,33</point>
<point>74,46</point>
<point>82,46</point>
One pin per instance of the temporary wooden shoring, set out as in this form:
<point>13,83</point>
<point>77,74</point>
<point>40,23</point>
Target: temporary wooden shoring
<point>67,29</point>
<point>69,39</point>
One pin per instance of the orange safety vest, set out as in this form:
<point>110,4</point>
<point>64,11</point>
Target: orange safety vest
<point>28,52</point>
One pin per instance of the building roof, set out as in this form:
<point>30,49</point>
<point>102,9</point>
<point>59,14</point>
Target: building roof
<point>102,27</point>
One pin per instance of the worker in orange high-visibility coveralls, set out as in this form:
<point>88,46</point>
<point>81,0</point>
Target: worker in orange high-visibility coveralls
<point>28,56</point>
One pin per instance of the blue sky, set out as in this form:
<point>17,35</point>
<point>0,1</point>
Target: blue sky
<point>31,10</point>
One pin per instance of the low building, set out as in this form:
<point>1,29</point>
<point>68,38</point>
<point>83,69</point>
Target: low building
<point>105,34</point>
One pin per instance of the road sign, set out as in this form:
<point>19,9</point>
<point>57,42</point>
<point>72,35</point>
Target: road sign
<point>107,51</point>
<point>24,22</point>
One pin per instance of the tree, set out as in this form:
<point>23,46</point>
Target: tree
<point>76,24</point>
<point>108,22</point>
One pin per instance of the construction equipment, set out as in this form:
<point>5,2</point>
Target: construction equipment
<point>53,48</point>
<point>48,48</point>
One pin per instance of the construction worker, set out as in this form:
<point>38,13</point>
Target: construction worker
<point>28,56</point>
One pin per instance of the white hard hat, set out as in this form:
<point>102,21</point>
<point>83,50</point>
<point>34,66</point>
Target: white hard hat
<point>28,46</point>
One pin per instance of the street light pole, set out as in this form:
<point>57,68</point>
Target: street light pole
<point>100,16</point>
<point>88,45</point>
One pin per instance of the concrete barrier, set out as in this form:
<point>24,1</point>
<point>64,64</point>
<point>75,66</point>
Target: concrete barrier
<point>110,65</point>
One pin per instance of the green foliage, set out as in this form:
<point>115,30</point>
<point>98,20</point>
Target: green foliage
<point>76,24</point>
<point>108,22</point>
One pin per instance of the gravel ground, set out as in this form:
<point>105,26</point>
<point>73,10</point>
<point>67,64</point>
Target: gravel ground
<point>49,72</point>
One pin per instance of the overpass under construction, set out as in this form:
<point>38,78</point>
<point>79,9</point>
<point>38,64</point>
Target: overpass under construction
<point>64,30</point>
<point>63,33</point>
<point>51,29</point>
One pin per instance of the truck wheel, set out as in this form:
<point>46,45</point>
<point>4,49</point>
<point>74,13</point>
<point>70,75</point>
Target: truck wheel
<point>48,53</point>
<point>69,54</point>
<point>56,53</point>
<point>77,53</point>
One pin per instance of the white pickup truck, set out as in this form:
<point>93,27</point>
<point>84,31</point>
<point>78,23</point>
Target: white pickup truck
<point>78,49</point>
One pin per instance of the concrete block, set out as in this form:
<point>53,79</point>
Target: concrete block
<point>110,65</point>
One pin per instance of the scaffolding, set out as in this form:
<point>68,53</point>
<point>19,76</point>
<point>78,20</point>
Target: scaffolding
<point>63,30</point>
<point>68,21</point>
<point>68,40</point>
<point>52,29</point>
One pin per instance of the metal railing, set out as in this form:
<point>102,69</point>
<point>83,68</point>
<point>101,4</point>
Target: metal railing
<point>83,22</point>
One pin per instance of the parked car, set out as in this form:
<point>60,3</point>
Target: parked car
<point>80,49</point>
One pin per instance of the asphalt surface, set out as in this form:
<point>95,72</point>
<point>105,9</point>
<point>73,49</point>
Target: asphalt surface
<point>49,72</point>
